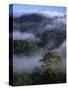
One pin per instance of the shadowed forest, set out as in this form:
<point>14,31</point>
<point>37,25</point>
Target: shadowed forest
<point>39,49</point>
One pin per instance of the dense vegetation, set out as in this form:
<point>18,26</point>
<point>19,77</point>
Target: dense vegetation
<point>48,39</point>
<point>28,27</point>
<point>38,78</point>
<point>42,75</point>
<point>45,39</point>
<point>52,38</point>
<point>25,47</point>
<point>36,24</point>
<point>29,17</point>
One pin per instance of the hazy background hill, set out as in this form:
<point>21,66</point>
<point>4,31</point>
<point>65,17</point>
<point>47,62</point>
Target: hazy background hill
<point>44,30</point>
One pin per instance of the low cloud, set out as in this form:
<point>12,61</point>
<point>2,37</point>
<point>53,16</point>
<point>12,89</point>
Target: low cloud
<point>51,13</point>
<point>56,23</point>
<point>54,20</point>
<point>22,36</point>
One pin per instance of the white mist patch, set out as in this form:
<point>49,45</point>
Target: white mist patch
<point>62,51</point>
<point>51,14</point>
<point>57,23</point>
<point>60,20</point>
<point>22,36</point>
<point>63,55</point>
<point>52,22</point>
<point>26,64</point>
<point>49,27</point>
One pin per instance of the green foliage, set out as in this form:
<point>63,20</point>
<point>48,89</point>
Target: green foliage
<point>38,77</point>
<point>51,76</point>
<point>28,26</point>
<point>25,47</point>
<point>51,59</point>
<point>42,75</point>
<point>49,39</point>
<point>21,79</point>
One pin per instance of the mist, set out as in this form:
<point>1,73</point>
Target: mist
<point>62,51</point>
<point>23,36</point>
<point>29,63</point>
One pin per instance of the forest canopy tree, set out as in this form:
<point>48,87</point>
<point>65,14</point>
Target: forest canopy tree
<point>51,59</point>
<point>25,47</point>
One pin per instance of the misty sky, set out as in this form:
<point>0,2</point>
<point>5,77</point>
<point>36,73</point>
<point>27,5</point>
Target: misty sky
<point>19,9</point>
